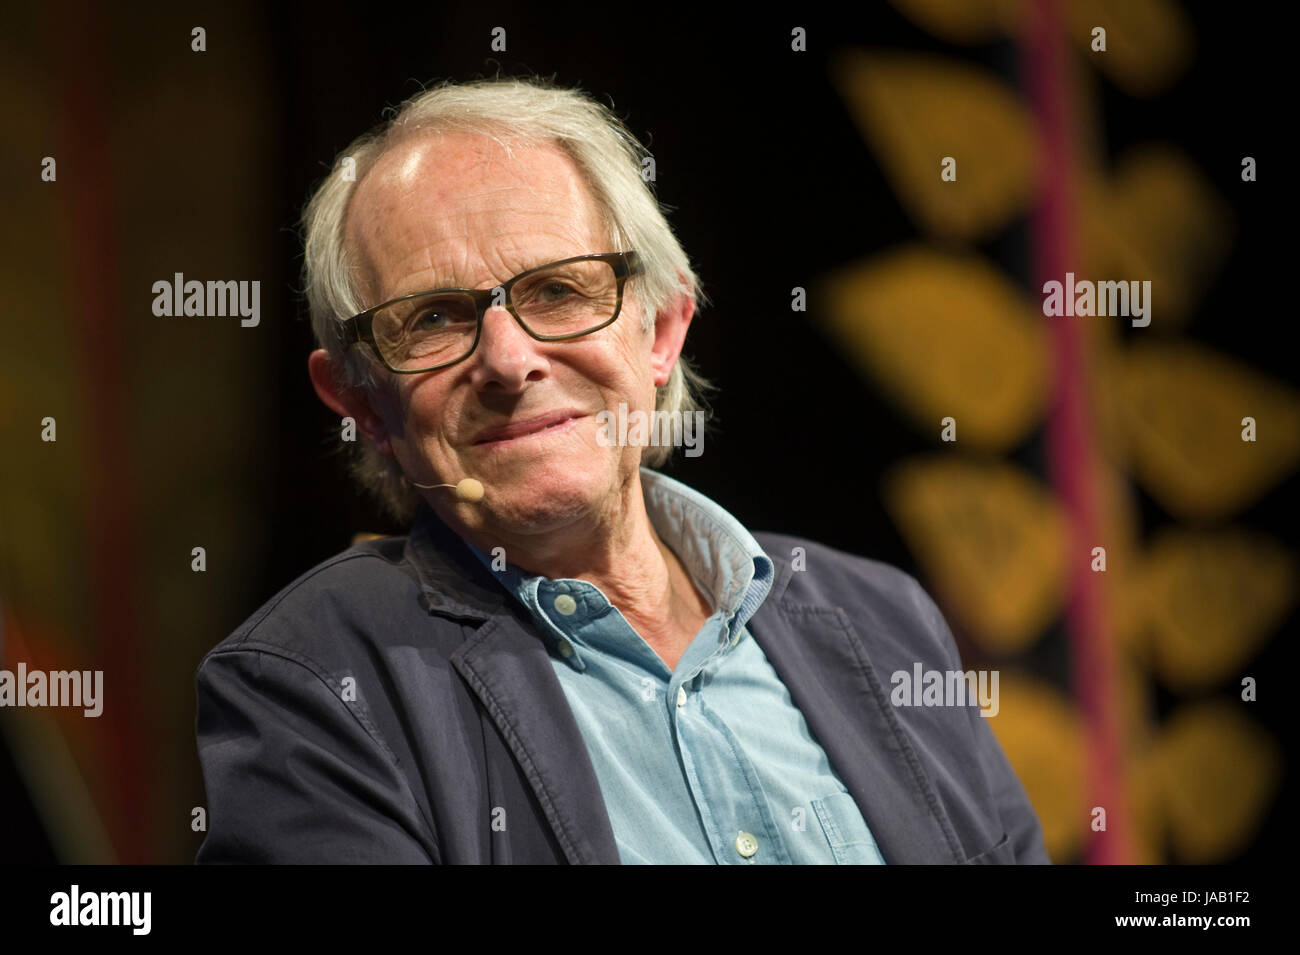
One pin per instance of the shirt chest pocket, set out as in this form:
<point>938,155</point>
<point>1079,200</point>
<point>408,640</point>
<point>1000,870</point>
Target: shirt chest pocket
<point>846,831</point>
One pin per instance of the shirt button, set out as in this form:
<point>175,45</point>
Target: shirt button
<point>746,844</point>
<point>681,696</point>
<point>565,604</point>
<point>566,649</point>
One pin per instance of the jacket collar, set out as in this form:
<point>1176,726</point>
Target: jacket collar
<point>453,582</point>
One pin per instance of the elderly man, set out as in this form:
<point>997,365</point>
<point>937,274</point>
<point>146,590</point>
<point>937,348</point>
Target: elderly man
<point>570,657</point>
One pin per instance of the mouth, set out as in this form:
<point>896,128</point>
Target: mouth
<point>530,427</point>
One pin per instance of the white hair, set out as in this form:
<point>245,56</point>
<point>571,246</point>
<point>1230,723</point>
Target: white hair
<point>532,112</point>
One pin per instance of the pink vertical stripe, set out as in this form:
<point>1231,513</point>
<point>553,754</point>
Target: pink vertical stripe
<point>1071,452</point>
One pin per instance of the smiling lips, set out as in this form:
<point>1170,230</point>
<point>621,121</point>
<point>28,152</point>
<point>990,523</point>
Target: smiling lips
<point>518,429</point>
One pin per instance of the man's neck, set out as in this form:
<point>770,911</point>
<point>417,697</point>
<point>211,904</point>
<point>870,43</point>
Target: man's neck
<point>628,561</point>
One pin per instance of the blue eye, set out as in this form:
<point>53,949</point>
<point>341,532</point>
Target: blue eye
<point>418,322</point>
<point>555,291</point>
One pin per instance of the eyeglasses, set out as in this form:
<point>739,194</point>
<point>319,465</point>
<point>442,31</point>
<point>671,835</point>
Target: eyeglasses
<point>567,299</point>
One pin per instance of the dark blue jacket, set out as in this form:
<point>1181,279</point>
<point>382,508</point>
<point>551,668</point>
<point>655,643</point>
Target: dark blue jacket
<point>394,704</point>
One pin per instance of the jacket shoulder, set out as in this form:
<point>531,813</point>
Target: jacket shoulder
<point>815,570</point>
<point>888,602</point>
<point>342,594</point>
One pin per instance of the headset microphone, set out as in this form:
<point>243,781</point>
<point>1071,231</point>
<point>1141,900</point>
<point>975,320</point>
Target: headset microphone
<point>468,490</point>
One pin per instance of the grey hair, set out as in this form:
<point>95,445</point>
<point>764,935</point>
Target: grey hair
<point>534,112</point>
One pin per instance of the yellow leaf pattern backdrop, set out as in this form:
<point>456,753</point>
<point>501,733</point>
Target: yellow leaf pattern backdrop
<point>944,333</point>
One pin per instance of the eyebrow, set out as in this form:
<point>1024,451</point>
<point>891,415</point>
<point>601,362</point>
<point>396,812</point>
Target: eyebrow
<point>536,261</point>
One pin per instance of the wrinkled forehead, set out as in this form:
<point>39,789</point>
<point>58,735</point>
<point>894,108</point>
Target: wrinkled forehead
<point>462,209</point>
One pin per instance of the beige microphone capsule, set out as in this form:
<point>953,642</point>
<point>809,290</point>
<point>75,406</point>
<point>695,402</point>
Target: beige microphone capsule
<point>468,490</point>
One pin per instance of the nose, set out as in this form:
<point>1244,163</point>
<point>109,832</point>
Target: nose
<point>506,356</point>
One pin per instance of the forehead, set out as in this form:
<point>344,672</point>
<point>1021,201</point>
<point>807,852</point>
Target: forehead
<point>461,209</point>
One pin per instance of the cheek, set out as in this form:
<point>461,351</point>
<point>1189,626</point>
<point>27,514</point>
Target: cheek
<point>624,375</point>
<point>633,353</point>
<point>401,408</point>
<point>422,415</point>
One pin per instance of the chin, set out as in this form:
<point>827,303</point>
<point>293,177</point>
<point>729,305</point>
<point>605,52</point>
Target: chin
<point>547,495</point>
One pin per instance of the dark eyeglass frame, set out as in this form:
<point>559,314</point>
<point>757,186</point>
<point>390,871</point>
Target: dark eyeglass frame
<point>358,329</point>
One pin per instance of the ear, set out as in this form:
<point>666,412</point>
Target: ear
<point>345,401</point>
<point>671,325</point>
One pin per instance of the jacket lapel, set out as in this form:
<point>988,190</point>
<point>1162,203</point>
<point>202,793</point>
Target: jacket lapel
<point>825,666</point>
<point>508,668</point>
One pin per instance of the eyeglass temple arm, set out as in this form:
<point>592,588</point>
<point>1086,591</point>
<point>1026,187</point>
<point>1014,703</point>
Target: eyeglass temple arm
<point>634,263</point>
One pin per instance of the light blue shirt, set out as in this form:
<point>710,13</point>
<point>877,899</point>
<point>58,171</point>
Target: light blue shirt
<point>710,762</point>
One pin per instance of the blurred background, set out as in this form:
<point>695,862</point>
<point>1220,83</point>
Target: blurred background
<point>814,169</point>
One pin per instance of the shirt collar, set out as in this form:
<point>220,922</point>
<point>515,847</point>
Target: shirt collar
<point>720,555</point>
<point>723,558</point>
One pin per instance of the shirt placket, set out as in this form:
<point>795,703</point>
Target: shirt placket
<point>722,780</point>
